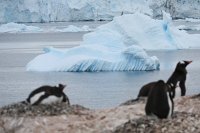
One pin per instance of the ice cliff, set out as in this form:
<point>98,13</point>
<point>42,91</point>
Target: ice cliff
<point>177,8</point>
<point>67,10</point>
<point>75,10</point>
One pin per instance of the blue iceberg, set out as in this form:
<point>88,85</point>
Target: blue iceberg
<point>116,46</point>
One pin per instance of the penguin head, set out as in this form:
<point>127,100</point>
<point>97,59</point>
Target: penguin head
<point>61,86</point>
<point>181,66</point>
<point>58,91</point>
<point>183,63</point>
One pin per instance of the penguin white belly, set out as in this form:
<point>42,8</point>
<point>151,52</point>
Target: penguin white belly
<point>36,97</point>
<point>52,99</point>
<point>178,90</point>
<point>170,106</point>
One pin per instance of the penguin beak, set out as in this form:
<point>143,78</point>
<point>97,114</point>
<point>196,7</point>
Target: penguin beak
<point>188,62</point>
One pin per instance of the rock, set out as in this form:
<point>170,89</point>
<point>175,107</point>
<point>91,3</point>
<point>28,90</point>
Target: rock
<point>123,119</point>
<point>134,101</point>
<point>21,110</point>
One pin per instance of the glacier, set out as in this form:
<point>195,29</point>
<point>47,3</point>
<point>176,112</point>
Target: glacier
<point>67,10</point>
<point>76,10</point>
<point>117,46</point>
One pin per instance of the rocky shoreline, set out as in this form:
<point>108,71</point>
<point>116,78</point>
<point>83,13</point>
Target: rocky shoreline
<point>129,118</point>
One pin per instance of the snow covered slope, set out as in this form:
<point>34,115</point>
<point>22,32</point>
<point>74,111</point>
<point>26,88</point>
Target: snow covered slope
<point>67,10</point>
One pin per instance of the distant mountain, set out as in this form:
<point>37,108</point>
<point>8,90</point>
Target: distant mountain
<point>83,10</point>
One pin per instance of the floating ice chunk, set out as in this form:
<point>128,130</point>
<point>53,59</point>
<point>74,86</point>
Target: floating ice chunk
<point>14,27</point>
<point>88,58</point>
<point>117,46</point>
<point>192,20</point>
<point>189,27</point>
<point>72,28</point>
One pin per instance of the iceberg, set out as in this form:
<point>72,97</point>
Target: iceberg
<point>117,46</point>
<point>72,28</point>
<point>108,48</point>
<point>15,28</point>
<point>189,27</point>
<point>22,28</point>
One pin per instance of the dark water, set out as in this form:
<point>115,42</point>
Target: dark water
<point>92,89</point>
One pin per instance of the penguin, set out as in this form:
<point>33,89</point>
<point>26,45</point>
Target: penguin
<point>47,95</point>
<point>160,102</point>
<point>177,77</point>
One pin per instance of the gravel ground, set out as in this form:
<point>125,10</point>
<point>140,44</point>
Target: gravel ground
<point>127,118</point>
<point>181,122</point>
<point>186,119</point>
<point>23,110</point>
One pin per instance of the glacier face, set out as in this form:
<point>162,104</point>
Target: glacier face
<point>75,10</point>
<point>67,10</point>
<point>177,8</point>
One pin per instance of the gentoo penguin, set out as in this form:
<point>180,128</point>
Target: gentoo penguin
<point>160,102</point>
<point>179,75</point>
<point>47,95</point>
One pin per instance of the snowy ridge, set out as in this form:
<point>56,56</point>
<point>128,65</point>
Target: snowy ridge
<point>117,46</point>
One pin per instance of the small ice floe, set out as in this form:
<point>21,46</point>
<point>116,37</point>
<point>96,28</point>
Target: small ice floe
<point>72,28</point>
<point>18,28</point>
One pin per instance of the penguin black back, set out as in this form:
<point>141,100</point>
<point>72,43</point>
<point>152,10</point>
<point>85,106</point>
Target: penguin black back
<point>179,75</point>
<point>160,101</point>
<point>46,92</point>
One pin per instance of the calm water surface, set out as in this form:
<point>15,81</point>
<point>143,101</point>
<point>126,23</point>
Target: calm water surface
<point>90,89</point>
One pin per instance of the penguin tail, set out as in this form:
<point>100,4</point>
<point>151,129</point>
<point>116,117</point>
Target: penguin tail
<point>130,102</point>
<point>25,102</point>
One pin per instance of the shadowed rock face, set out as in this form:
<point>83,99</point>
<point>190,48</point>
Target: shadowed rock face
<point>126,118</point>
